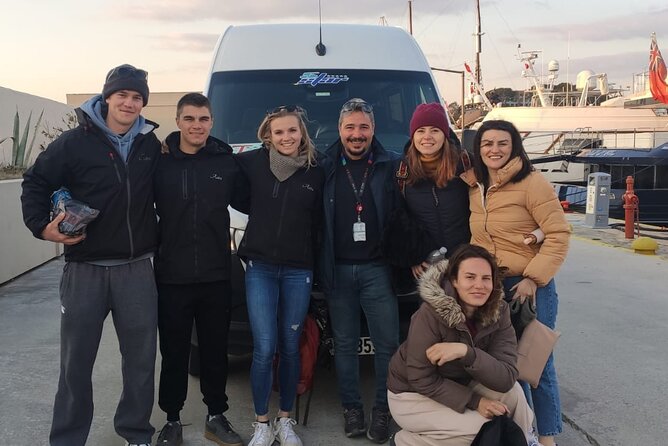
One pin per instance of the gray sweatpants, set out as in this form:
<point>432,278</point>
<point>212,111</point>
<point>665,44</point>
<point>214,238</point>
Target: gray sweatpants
<point>88,293</point>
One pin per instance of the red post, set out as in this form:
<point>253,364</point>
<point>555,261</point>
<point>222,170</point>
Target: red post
<point>630,200</point>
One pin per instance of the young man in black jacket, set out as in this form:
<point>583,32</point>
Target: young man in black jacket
<point>106,162</point>
<point>196,180</point>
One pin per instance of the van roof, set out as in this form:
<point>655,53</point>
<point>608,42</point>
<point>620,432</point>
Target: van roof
<point>290,46</point>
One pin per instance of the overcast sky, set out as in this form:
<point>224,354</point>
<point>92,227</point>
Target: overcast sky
<point>51,48</point>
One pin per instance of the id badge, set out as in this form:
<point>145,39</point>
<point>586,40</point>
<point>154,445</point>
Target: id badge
<point>359,231</point>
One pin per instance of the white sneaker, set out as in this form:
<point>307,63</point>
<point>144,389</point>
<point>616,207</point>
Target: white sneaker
<point>284,433</point>
<point>532,439</point>
<point>263,434</point>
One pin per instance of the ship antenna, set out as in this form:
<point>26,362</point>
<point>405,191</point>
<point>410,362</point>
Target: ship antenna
<point>320,48</point>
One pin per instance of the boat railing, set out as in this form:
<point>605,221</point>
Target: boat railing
<point>571,142</point>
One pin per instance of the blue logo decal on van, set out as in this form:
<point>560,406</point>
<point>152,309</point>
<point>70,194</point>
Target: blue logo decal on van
<point>314,78</point>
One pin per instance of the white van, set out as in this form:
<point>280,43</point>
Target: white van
<point>257,68</point>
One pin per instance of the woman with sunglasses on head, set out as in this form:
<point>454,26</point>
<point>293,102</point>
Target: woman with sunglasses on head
<point>278,245</point>
<point>508,201</point>
<point>437,200</point>
<point>457,368</point>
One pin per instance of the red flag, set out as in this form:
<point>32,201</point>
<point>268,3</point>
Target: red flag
<point>657,73</point>
<point>467,67</point>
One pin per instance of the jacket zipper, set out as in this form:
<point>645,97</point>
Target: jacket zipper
<point>184,183</point>
<point>127,209</point>
<point>127,214</point>
<point>194,175</point>
<point>279,228</point>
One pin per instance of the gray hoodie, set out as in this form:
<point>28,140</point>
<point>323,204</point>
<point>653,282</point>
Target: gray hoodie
<point>122,143</point>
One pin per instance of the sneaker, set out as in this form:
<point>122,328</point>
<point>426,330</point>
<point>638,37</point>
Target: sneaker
<point>532,439</point>
<point>171,434</point>
<point>263,434</point>
<point>379,430</point>
<point>354,423</point>
<point>138,444</point>
<point>284,432</point>
<point>218,429</point>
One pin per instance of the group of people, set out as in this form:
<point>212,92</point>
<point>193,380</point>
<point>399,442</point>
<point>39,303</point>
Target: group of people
<point>158,258</point>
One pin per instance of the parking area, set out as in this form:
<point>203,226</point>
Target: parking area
<point>29,362</point>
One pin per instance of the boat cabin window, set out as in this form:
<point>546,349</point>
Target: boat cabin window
<point>643,176</point>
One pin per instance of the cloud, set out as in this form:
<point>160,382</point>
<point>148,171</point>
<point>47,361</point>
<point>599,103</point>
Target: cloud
<point>254,11</point>
<point>603,30</point>
<point>189,42</point>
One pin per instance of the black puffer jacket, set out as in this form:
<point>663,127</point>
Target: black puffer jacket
<point>86,162</point>
<point>192,193</point>
<point>285,217</point>
<point>442,211</point>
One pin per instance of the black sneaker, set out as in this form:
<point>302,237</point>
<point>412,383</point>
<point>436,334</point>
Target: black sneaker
<point>379,430</point>
<point>171,434</point>
<point>354,423</point>
<point>218,429</point>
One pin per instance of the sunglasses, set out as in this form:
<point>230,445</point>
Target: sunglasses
<point>357,104</point>
<point>128,71</point>
<point>286,108</point>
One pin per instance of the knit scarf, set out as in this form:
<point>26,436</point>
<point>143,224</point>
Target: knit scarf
<point>284,166</point>
<point>430,164</point>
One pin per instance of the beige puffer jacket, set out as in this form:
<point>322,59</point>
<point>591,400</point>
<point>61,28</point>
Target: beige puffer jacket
<point>500,217</point>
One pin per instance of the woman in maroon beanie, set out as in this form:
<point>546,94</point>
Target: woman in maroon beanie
<point>437,200</point>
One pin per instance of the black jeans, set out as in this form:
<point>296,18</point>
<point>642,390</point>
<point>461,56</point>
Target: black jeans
<point>208,304</point>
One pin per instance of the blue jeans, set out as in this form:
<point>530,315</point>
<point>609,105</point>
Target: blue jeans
<point>366,286</point>
<point>278,297</point>
<point>545,398</point>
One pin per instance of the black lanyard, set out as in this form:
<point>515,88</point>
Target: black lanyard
<point>358,193</point>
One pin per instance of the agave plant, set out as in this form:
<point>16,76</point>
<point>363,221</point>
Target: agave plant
<point>21,156</point>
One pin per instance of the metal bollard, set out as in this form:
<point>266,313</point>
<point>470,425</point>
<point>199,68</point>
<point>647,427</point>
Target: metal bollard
<point>631,210</point>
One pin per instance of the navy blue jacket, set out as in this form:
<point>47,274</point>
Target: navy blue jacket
<point>383,187</point>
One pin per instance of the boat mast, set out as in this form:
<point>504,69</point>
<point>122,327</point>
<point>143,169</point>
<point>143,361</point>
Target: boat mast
<point>478,44</point>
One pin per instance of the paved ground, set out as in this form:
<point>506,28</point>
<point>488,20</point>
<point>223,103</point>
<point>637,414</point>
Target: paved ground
<point>611,359</point>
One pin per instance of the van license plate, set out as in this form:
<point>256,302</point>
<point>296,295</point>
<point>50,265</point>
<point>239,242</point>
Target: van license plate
<point>365,346</point>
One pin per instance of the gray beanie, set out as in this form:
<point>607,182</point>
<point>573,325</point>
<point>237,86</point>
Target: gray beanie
<point>126,77</point>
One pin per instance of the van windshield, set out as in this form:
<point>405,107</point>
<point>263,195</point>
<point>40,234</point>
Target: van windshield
<point>241,99</point>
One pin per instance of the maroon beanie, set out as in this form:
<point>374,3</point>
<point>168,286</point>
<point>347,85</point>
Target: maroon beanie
<point>432,114</point>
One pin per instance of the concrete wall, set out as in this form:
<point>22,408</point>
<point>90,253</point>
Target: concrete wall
<point>19,250</point>
<point>10,102</point>
<point>161,108</point>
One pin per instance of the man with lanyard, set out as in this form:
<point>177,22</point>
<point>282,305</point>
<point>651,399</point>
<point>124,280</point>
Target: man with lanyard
<point>106,162</point>
<point>360,193</point>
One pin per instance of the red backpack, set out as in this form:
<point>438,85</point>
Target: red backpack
<point>308,354</point>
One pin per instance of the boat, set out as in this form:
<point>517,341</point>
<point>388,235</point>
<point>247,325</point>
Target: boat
<point>641,156</point>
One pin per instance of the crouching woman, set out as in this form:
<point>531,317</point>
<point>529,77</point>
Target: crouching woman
<point>457,368</point>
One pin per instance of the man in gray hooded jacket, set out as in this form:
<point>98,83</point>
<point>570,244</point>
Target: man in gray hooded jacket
<point>106,162</point>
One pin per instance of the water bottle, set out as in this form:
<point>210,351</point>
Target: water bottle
<point>437,255</point>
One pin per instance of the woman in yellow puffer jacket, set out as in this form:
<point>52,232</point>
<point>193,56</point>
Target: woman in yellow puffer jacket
<point>509,200</point>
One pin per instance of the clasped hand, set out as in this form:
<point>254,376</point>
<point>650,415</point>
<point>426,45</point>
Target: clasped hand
<point>523,289</point>
<point>491,408</point>
<point>53,234</point>
<point>442,352</point>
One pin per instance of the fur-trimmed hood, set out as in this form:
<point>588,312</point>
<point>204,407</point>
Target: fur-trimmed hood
<point>441,296</point>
